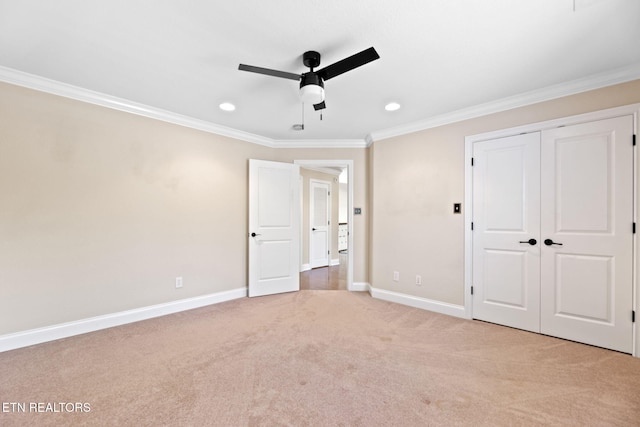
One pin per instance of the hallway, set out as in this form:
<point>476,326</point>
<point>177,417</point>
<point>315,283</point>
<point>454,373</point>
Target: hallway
<point>331,278</point>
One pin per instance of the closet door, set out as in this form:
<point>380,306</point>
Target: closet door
<point>586,232</point>
<point>506,240</point>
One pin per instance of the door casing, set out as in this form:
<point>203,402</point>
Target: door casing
<point>348,164</point>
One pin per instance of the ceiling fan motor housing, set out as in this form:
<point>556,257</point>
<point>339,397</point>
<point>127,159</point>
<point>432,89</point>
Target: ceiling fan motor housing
<point>311,59</point>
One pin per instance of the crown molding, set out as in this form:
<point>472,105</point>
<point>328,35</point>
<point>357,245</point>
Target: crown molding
<point>65,90</point>
<point>321,143</point>
<point>595,81</point>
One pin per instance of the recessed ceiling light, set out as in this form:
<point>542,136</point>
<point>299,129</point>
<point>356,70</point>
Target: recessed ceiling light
<point>392,106</point>
<point>227,106</point>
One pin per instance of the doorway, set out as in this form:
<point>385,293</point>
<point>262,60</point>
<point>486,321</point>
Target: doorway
<point>338,274</point>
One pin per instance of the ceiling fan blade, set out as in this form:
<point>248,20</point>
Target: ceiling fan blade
<point>269,72</point>
<point>348,64</point>
<point>320,106</point>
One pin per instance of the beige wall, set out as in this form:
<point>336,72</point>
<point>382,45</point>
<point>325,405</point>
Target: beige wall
<point>416,178</point>
<point>101,209</point>
<point>308,175</point>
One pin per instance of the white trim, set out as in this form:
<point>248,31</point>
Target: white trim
<point>334,262</point>
<point>305,267</point>
<point>418,302</point>
<point>350,172</point>
<point>320,143</point>
<point>42,84</point>
<point>361,287</point>
<point>83,326</point>
<point>632,109</point>
<point>596,81</point>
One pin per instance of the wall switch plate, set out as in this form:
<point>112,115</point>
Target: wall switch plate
<point>457,208</point>
<point>178,282</point>
<point>357,211</point>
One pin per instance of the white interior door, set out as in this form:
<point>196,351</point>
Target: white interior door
<point>319,223</point>
<point>274,218</point>
<point>506,216</point>
<point>587,200</point>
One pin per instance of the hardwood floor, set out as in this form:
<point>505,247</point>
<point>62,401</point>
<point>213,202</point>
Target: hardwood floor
<point>326,278</point>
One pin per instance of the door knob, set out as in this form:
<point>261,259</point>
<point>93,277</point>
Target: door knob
<point>313,229</point>
<point>532,242</point>
<point>255,234</point>
<point>550,242</point>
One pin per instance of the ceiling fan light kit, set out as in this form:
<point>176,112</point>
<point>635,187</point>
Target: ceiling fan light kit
<point>312,83</point>
<point>311,88</point>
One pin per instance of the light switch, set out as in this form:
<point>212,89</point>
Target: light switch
<point>357,211</point>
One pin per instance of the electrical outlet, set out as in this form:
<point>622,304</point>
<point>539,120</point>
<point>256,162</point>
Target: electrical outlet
<point>418,280</point>
<point>396,276</point>
<point>178,282</point>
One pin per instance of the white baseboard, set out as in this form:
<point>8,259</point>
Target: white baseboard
<point>305,267</point>
<point>360,287</point>
<point>335,261</point>
<point>418,302</point>
<point>64,330</point>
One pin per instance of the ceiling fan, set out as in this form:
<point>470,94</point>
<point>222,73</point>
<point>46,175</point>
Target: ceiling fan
<point>312,82</point>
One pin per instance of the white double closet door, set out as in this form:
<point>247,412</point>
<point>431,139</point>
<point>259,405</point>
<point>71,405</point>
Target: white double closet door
<point>553,232</point>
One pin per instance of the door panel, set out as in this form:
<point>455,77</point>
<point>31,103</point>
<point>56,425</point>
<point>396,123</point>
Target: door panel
<point>506,272</point>
<point>584,286</point>
<point>274,218</point>
<point>505,283</point>
<point>583,182</point>
<point>587,200</point>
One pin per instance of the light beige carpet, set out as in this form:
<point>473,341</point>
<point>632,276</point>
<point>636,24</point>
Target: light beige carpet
<point>319,358</point>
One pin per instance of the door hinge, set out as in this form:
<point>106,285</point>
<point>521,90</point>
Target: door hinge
<point>634,228</point>
<point>472,162</point>
<point>328,252</point>
<point>472,226</point>
<point>328,193</point>
<point>472,290</point>
<point>634,139</point>
<point>633,316</point>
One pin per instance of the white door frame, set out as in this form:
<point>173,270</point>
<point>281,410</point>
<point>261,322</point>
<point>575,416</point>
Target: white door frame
<point>348,164</point>
<point>633,109</point>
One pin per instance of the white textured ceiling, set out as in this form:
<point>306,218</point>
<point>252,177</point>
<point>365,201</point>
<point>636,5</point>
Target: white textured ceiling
<point>437,56</point>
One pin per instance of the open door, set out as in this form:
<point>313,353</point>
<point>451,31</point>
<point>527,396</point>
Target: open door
<point>274,226</point>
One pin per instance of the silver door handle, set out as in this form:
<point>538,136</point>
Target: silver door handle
<point>255,234</point>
